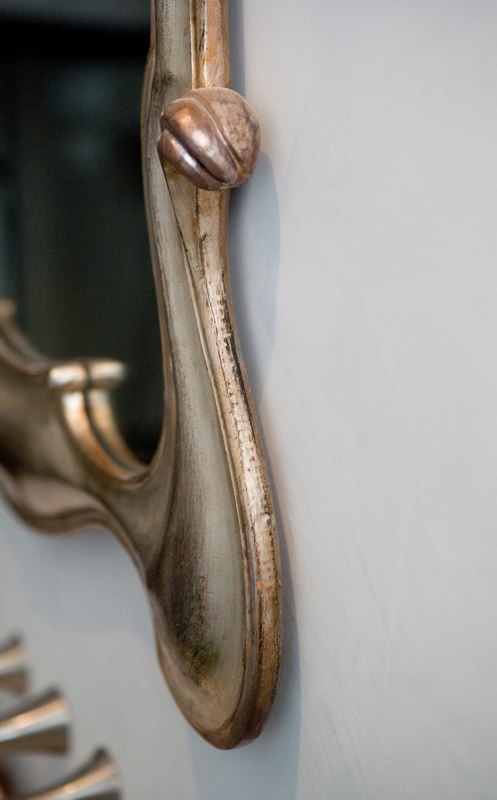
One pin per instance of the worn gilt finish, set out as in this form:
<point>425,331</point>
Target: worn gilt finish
<point>198,521</point>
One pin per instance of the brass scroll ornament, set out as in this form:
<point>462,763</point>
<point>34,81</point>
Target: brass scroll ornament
<point>198,521</point>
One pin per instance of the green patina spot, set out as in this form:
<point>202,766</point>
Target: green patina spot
<point>205,658</point>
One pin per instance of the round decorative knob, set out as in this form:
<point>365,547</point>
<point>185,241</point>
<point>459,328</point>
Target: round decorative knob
<point>212,136</point>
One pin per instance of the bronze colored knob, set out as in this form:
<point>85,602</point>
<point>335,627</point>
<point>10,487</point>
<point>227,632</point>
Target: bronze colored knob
<point>212,136</point>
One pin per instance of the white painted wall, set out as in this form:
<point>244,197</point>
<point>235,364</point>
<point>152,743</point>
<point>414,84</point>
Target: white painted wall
<point>364,269</point>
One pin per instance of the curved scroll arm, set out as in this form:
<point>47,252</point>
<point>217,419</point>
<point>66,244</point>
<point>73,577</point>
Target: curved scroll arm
<point>198,521</point>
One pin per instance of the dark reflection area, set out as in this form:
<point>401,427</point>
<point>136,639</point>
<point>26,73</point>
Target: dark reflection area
<point>74,251</point>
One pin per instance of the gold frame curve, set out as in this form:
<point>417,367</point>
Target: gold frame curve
<point>198,521</point>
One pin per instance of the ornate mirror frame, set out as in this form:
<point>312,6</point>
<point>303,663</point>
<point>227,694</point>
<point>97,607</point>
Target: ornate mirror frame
<point>198,521</point>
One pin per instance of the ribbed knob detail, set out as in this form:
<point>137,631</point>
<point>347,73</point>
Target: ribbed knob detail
<point>212,136</point>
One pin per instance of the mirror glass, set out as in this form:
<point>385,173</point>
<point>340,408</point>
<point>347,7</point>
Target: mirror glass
<point>74,251</point>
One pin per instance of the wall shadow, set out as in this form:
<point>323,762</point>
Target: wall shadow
<point>254,247</point>
<point>266,769</point>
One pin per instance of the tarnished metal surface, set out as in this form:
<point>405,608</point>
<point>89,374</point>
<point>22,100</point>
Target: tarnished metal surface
<point>212,136</point>
<point>198,521</point>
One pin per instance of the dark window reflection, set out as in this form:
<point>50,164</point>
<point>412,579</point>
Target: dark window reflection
<point>73,244</point>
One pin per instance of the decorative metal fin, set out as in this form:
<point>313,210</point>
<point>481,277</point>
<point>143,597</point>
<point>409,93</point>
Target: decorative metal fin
<point>41,724</point>
<point>13,672</point>
<point>97,780</point>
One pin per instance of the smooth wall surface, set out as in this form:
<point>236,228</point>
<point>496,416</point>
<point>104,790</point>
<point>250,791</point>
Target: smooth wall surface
<point>365,276</point>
